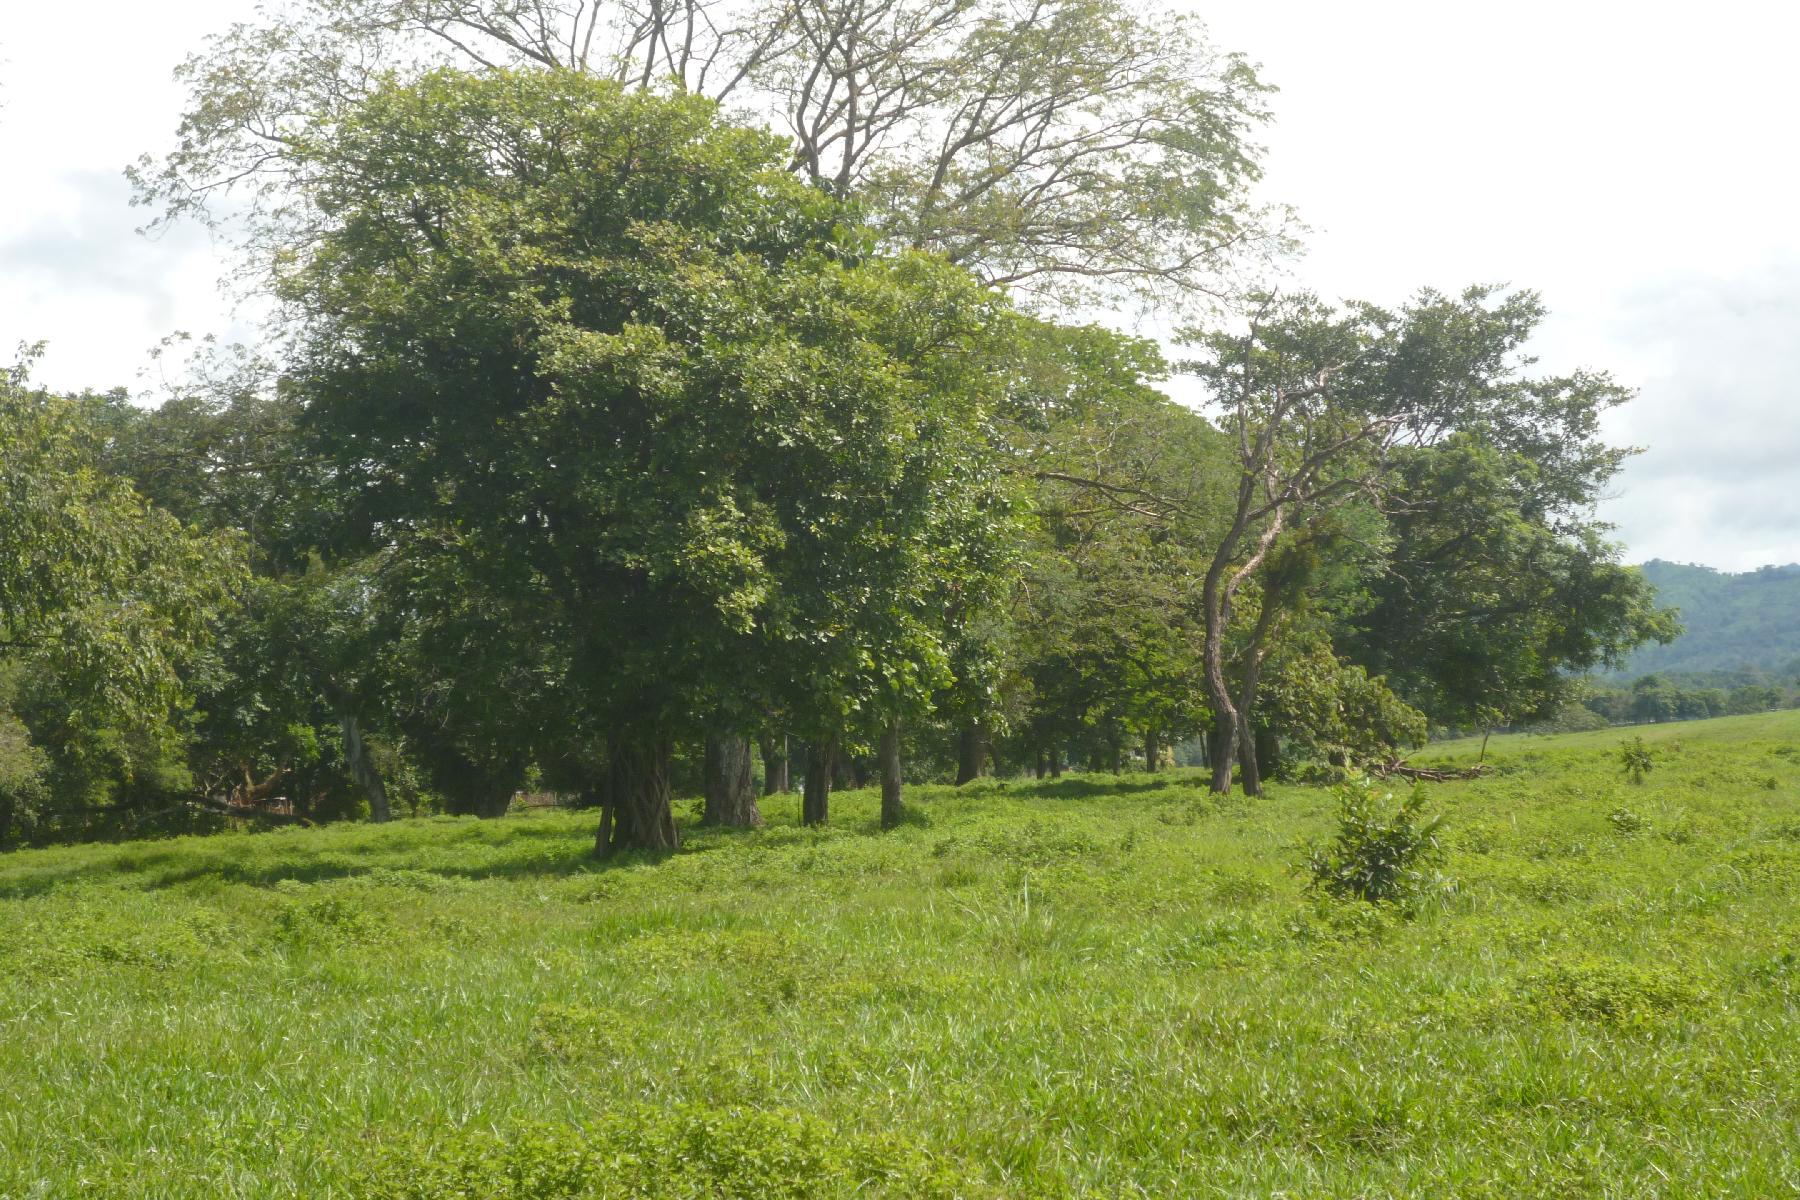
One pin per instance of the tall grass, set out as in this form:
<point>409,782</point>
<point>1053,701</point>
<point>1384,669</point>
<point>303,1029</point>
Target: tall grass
<point>1090,987</point>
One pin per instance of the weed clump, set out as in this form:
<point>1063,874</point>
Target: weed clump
<point>691,1151</point>
<point>1636,759</point>
<point>1613,993</point>
<point>1385,852</point>
<point>329,920</point>
<point>1627,823</point>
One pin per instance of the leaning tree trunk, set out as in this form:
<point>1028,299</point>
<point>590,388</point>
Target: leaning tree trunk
<point>815,801</point>
<point>971,753</point>
<point>356,753</point>
<point>1152,750</point>
<point>890,775</point>
<point>775,764</point>
<point>730,784</point>
<point>639,813</point>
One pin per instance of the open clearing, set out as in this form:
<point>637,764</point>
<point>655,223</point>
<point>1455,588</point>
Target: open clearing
<point>1098,986</point>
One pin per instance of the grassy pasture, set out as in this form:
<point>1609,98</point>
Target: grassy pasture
<point>1095,987</point>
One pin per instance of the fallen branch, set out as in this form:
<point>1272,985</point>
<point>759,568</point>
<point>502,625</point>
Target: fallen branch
<point>1404,770</point>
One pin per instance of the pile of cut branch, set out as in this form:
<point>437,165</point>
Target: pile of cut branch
<point>1404,770</point>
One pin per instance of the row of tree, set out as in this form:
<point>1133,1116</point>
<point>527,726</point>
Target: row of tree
<point>1656,698</point>
<point>603,427</point>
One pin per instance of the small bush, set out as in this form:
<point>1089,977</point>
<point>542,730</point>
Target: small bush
<point>1635,757</point>
<point>1385,851</point>
<point>1626,823</point>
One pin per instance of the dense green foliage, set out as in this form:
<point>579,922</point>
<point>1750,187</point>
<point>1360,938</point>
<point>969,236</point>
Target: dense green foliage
<point>106,609</point>
<point>1656,698</point>
<point>603,432</point>
<point>1092,986</point>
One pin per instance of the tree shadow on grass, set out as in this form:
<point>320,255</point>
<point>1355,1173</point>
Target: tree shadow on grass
<point>551,850</point>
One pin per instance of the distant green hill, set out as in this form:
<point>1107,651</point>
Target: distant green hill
<point>1735,623</point>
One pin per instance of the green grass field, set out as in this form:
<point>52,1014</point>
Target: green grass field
<point>1095,987</point>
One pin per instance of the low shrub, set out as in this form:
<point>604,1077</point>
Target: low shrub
<point>1387,851</point>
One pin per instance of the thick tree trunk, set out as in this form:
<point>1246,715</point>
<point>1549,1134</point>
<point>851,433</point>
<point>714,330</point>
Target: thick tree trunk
<point>1056,762</point>
<point>1038,767</point>
<point>638,813</point>
<point>815,800</point>
<point>1152,750</point>
<point>890,775</point>
<point>775,764</point>
<point>356,753</point>
<point>730,784</point>
<point>1219,751</point>
<point>971,753</point>
<point>1249,769</point>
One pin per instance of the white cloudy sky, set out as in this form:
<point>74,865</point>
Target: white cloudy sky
<point>1632,161</point>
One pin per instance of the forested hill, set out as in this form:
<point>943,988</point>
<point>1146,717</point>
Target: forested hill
<point>1732,621</point>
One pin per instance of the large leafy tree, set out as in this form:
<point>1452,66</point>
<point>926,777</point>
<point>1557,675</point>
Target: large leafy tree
<point>105,601</point>
<point>603,375</point>
<point>1069,148</point>
<point>1108,642</point>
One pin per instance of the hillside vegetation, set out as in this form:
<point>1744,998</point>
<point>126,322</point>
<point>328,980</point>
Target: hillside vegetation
<point>1732,622</point>
<point>1096,986</point>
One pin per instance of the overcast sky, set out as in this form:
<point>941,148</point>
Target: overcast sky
<point>1632,162</point>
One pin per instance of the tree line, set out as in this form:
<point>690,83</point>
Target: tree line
<point>632,410</point>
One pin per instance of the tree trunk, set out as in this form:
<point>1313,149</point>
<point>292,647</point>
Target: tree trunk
<point>638,813</point>
<point>1152,750</point>
<point>1249,769</point>
<point>1038,767</point>
<point>1247,696</point>
<point>775,764</point>
<point>1268,751</point>
<point>971,753</point>
<point>1055,762</point>
<point>1219,750</point>
<point>730,787</point>
<point>361,769</point>
<point>890,775</point>
<point>815,801</point>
